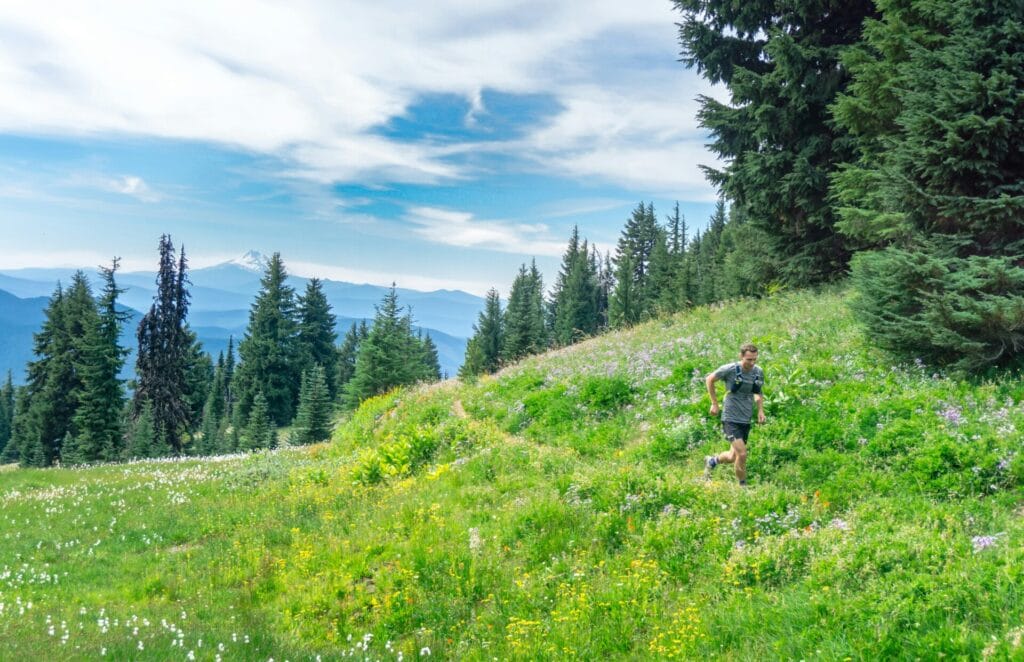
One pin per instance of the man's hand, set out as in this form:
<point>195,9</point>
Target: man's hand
<point>714,409</point>
<point>760,417</point>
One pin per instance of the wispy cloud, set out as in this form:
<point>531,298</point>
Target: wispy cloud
<point>327,75</point>
<point>456,228</point>
<point>415,281</point>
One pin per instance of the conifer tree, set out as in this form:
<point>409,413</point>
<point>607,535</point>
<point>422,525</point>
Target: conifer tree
<point>637,242</point>
<point>488,336</point>
<point>313,422</point>
<point>53,382</point>
<point>165,354</point>
<point>101,400</point>
<point>347,353</point>
<point>142,438</point>
<point>711,258</point>
<point>269,352</point>
<point>317,337</point>
<point>431,363</point>
<point>209,441</point>
<point>259,433</point>
<point>6,412</point>
<point>783,67</point>
<point>524,316</point>
<point>936,111</point>
<point>660,294</point>
<point>624,308</point>
<point>574,302</point>
<point>388,357</point>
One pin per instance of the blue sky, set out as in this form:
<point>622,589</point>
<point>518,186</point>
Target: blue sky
<point>438,145</point>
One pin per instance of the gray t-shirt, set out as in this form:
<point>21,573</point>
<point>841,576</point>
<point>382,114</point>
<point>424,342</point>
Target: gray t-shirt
<point>739,406</point>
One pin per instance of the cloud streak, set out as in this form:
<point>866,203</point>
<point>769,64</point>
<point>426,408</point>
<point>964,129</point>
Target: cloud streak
<point>312,84</point>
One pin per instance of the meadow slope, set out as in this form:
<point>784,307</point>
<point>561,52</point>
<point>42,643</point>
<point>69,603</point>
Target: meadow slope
<point>557,511</point>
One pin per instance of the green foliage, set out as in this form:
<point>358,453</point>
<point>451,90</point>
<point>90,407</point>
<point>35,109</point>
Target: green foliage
<point>574,311</point>
<point>316,335</point>
<point>525,332</point>
<point>6,413</point>
<point>783,67</point>
<point>270,352</point>
<point>390,356</point>
<point>313,422</point>
<point>259,433</point>
<point>935,108</point>
<point>485,346</point>
<point>168,354</point>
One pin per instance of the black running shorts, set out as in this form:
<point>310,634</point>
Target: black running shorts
<point>736,430</point>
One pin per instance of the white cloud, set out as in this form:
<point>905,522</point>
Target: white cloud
<point>456,228</point>
<point>310,82</point>
<point>413,281</point>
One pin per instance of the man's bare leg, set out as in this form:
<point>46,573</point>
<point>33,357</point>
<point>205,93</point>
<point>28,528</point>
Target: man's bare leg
<point>736,455</point>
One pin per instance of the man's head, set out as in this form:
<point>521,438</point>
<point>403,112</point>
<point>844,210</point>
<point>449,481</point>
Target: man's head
<point>748,355</point>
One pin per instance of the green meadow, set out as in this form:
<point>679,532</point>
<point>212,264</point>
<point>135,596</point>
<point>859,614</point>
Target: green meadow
<point>557,510</point>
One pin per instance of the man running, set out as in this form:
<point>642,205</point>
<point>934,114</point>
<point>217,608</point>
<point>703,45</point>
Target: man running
<point>743,382</point>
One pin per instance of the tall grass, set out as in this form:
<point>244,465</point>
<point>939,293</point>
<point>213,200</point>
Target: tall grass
<point>563,517</point>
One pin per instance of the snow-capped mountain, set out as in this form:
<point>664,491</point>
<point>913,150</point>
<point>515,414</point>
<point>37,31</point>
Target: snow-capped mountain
<point>253,261</point>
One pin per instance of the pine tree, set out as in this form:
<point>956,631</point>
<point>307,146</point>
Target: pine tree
<point>313,422</point>
<point>660,294</point>
<point>142,438</point>
<point>259,433</point>
<point>269,352</point>
<point>430,360</point>
<point>487,341</point>
<point>209,441</point>
<point>50,395</point>
<point>637,242</point>
<point>164,355</point>
<point>936,111</point>
<point>101,399</point>
<point>386,358</point>
<point>6,412</point>
<point>347,353</point>
<point>624,308</point>
<point>317,337</point>
<point>711,259</point>
<point>574,306</point>
<point>518,342</point>
<point>783,67</point>
<point>229,380</point>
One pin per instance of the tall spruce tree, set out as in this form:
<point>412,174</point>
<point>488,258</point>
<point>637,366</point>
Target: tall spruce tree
<point>937,114</point>
<point>313,421</point>
<point>783,66</point>
<point>637,242</point>
<point>524,328</point>
<point>165,354</point>
<point>484,349</point>
<point>389,356</point>
<point>574,301</point>
<point>259,432</point>
<point>711,259</point>
<point>46,418</point>
<point>6,413</point>
<point>97,420</point>
<point>347,353</point>
<point>317,337</point>
<point>269,352</point>
<point>431,361</point>
<point>625,306</point>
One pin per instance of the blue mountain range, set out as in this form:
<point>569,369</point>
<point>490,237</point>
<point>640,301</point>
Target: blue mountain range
<point>221,297</point>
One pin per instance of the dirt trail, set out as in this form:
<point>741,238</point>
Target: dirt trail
<point>458,410</point>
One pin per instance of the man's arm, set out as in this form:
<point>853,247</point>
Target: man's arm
<point>759,399</point>
<point>709,382</point>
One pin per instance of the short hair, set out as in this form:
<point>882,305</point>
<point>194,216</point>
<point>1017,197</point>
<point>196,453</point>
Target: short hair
<point>748,347</point>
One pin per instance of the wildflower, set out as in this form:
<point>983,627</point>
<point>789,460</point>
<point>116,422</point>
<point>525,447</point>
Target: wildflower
<point>982,543</point>
<point>425,652</point>
<point>840,524</point>
<point>475,543</point>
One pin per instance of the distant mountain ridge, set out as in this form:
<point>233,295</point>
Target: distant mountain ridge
<point>221,297</point>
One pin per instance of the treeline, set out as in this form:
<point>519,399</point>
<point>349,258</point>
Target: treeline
<point>657,269</point>
<point>881,140</point>
<point>75,408</point>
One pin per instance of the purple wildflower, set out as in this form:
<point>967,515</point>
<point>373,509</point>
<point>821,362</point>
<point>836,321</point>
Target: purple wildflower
<point>982,543</point>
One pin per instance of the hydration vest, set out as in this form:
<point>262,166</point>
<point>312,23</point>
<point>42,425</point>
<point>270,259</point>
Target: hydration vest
<point>737,383</point>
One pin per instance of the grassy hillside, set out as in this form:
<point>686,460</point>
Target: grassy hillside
<point>556,511</point>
